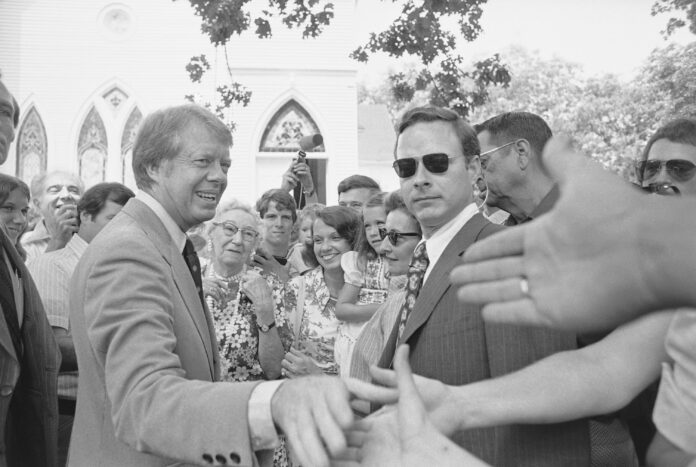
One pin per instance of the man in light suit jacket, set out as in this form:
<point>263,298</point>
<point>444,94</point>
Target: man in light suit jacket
<point>29,356</point>
<point>144,339</point>
<point>435,153</point>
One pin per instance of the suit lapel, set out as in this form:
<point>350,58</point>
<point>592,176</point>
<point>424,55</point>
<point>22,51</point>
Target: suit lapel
<point>438,281</point>
<point>7,291</point>
<point>154,229</point>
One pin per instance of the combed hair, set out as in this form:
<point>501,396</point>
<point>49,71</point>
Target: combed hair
<point>94,199</point>
<point>510,126</point>
<point>681,130</point>
<point>431,113</point>
<point>160,137</point>
<point>282,200</point>
<point>8,184</point>
<point>37,183</point>
<point>346,222</point>
<point>357,181</point>
<point>395,202</point>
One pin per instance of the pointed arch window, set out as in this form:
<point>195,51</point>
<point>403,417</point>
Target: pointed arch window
<point>31,146</point>
<point>127,138</point>
<point>92,149</point>
<point>284,130</point>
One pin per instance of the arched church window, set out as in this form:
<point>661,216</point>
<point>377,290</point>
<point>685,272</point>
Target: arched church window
<point>283,133</point>
<point>31,146</point>
<point>127,138</point>
<point>92,149</point>
<point>284,130</point>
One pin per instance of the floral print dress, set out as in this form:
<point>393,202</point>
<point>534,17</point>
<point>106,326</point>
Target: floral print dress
<point>315,325</point>
<point>236,330</point>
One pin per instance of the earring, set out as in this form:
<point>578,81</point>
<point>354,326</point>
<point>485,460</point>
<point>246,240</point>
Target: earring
<point>210,247</point>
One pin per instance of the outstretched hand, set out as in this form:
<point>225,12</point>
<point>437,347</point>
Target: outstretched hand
<point>403,435</point>
<point>580,267</point>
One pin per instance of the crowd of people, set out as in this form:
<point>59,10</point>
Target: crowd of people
<point>512,304</point>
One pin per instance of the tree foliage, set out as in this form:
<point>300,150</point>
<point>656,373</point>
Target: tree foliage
<point>683,11</point>
<point>417,32</point>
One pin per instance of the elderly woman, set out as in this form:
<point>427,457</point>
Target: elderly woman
<point>335,231</point>
<point>400,236</point>
<point>247,305</point>
<point>14,207</point>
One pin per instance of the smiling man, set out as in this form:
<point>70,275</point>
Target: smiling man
<point>450,342</point>
<point>144,339</point>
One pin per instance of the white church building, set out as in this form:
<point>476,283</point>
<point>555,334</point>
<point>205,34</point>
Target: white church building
<point>85,72</point>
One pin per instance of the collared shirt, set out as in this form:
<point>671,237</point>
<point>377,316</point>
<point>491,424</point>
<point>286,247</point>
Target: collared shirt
<point>545,205</point>
<point>52,272</point>
<point>261,427</point>
<point>36,241</point>
<point>442,237</point>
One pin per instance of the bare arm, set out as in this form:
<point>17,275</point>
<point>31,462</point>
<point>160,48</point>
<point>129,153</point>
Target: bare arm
<point>347,310</point>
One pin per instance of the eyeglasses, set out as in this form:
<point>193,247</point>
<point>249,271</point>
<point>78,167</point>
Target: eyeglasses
<point>434,163</point>
<point>394,236</point>
<point>230,230</point>
<point>678,169</point>
<point>484,157</point>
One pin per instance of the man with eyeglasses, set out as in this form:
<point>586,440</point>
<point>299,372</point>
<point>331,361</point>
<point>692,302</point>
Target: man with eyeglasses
<point>511,146</point>
<point>434,155</point>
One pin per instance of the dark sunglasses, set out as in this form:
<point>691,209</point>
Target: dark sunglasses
<point>661,189</point>
<point>394,236</point>
<point>678,169</point>
<point>434,163</point>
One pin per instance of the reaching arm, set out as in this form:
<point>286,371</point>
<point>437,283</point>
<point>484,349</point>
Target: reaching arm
<point>347,310</point>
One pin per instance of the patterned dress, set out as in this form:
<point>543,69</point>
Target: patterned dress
<point>316,328</point>
<point>371,277</point>
<point>236,330</point>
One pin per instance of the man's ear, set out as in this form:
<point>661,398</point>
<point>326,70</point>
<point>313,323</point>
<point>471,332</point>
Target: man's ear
<point>84,217</point>
<point>523,149</point>
<point>474,168</point>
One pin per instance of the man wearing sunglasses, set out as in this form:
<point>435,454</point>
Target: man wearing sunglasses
<point>434,159</point>
<point>668,165</point>
<point>511,147</point>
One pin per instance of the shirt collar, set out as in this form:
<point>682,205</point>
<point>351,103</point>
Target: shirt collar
<point>178,236</point>
<point>442,237</point>
<point>547,203</point>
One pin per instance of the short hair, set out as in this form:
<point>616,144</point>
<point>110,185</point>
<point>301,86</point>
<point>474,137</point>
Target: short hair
<point>514,125</point>
<point>395,202</point>
<point>357,181</point>
<point>236,205</point>
<point>282,200</point>
<point>160,137</point>
<point>346,222</point>
<point>375,200</point>
<point>15,105</point>
<point>8,184</point>
<point>431,113</point>
<point>93,200</point>
<point>681,130</point>
<point>37,183</point>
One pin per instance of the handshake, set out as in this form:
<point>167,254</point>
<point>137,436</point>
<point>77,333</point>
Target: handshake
<point>316,417</point>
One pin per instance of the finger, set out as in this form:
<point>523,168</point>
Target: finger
<point>310,441</point>
<point>356,437</point>
<point>296,449</point>
<point>297,353</point>
<point>332,415</point>
<point>509,242</point>
<point>349,457</point>
<point>383,376</point>
<point>521,311</point>
<point>563,163</point>
<point>370,392</point>
<point>411,412</point>
<point>504,290</point>
<point>482,271</point>
<point>286,364</point>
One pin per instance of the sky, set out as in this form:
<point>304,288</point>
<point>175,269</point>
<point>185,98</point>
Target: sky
<point>604,36</point>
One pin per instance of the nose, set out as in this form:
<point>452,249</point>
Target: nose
<point>64,193</point>
<point>422,175</point>
<point>217,173</point>
<point>385,246</point>
<point>662,176</point>
<point>237,237</point>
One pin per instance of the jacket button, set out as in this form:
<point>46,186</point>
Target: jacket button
<point>208,458</point>
<point>6,390</point>
<point>234,457</point>
<point>221,459</point>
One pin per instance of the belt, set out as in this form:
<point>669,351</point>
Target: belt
<point>66,406</point>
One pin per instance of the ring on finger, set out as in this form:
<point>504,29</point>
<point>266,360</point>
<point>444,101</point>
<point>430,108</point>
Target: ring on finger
<point>524,286</point>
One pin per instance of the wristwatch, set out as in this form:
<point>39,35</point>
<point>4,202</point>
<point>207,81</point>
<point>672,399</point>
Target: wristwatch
<point>308,193</point>
<point>265,327</point>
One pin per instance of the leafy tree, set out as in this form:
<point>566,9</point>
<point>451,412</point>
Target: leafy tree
<point>418,32</point>
<point>685,11</point>
<point>670,72</point>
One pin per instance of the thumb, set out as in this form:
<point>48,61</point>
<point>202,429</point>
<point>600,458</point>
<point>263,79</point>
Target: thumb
<point>563,163</point>
<point>412,414</point>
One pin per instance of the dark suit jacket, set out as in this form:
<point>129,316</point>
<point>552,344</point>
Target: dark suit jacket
<point>28,400</point>
<point>451,342</point>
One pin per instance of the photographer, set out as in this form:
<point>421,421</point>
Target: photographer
<point>299,174</point>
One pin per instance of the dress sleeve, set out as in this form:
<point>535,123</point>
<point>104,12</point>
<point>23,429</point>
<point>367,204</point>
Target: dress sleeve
<point>352,273</point>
